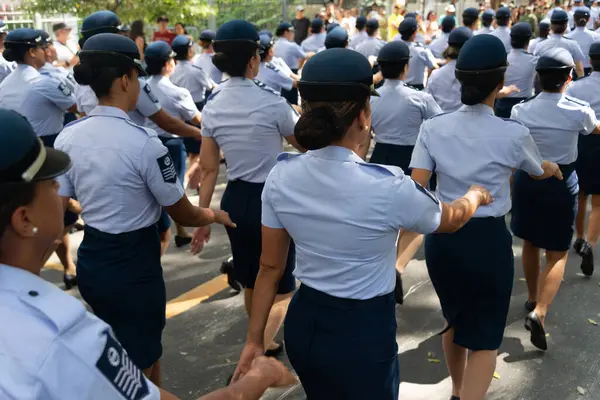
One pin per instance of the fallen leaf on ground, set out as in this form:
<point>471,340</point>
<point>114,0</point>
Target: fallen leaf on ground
<point>496,375</point>
<point>522,279</point>
<point>591,321</point>
<point>547,335</point>
<point>433,360</point>
<point>581,390</point>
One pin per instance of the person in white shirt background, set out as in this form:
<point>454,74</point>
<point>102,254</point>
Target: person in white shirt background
<point>66,48</point>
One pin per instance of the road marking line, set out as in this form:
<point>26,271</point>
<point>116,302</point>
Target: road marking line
<point>196,296</point>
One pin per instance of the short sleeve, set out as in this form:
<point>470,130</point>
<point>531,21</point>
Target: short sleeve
<point>56,92</point>
<point>159,173</point>
<point>577,52</point>
<point>202,77</point>
<point>420,157</point>
<point>147,104</point>
<point>299,52</point>
<point>589,122</point>
<point>429,58</point>
<point>284,81</point>
<point>86,99</point>
<point>413,207</point>
<point>269,217</point>
<point>431,108</point>
<point>186,106</point>
<point>529,158</point>
<point>205,131</point>
<point>66,188</point>
<point>288,117</point>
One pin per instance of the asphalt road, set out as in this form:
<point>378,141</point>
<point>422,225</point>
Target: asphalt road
<point>207,325</point>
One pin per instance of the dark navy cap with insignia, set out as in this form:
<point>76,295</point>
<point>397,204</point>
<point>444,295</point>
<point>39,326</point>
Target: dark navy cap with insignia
<point>481,54</point>
<point>521,29</point>
<point>337,75</point>
<point>46,39</point>
<point>332,26</point>
<point>265,42</point>
<point>544,25</point>
<point>207,35</point>
<point>283,27</point>
<point>595,51</point>
<point>408,25</point>
<point>471,12</point>
<point>316,25</point>
<point>100,22</point>
<point>337,37</point>
<point>582,12</point>
<point>159,50</point>
<point>394,52</point>
<point>182,41</point>
<point>372,24</point>
<point>113,45</point>
<point>361,22</point>
<point>411,15</point>
<point>488,15</point>
<point>23,36</point>
<point>555,58</point>
<point>503,12</point>
<point>23,157</point>
<point>459,36</point>
<point>448,23</point>
<point>559,16</point>
<point>266,32</point>
<point>235,33</point>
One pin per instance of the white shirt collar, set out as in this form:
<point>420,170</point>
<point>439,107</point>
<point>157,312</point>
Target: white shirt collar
<point>477,108</point>
<point>108,111</point>
<point>336,153</point>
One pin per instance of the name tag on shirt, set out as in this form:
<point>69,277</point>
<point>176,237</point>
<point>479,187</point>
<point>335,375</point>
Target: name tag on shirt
<point>167,169</point>
<point>150,94</point>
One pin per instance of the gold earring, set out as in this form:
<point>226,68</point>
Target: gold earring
<point>34,230</point>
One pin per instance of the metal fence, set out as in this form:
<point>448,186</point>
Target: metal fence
<point>16,18</point>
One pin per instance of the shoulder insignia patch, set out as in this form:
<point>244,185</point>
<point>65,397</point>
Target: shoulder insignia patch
<point>197,67</point>
<point>64,89</point>
<point>426,192</point>
<point>529,98</point>
<point>71,77</point>
<point>265,87</point>
<point>286,156</point>
<point>271,66</point>
<point>388,169</point>
<point>150,93</point>
<point>167,168</point>
<point>577,101</point>
<point>212,96</point>
<point>121,372</point>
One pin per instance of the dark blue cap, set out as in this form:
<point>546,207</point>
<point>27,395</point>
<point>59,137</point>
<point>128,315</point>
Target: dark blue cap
<point>582,12</point>
<point>113,45</point>
<point>207,35</point>
<point>332,26</point>
<point>46,39</point>
<point>559,16</point>
<point>448,23</point>
<point>159,50</point>
<point>372,24</point>
<point>265,42</point>
<point>23,157</point>
<point>361,22</point>
<point>100,22</point>
<point>236,35</point>
<point>555,58</point>
<point>283,27</point>
<point>408,25</point>
<point>471,12</point>
<point>595,51</point>
<point>544,25</point>
<point>488,15</point>
<point>521,29</point>
<point>24,36</point>
<point>459,36</point>
<point>337,75</point>
<point>394,52</point>
<point>411,15</point>
<point>316,25</point>
<point>266,32</point>
<point>481,54</point>
<point>182,41</point>
<point>503,12</point>
<point>337,37</point>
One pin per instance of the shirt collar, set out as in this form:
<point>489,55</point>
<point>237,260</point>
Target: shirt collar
<point>393,82</point>
<point>18,279</point>
<point>477,108</point>
<point>239,81</point>
<point>337,153</point>
<point>556,35</point>
<point>581,28</point>
<point>27,69</point>
<point>108,111</point>
<point>549,96</point>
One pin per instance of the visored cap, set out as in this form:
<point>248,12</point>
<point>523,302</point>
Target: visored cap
<point>459,36</point>
<point>336,38</point>
<point>100,22</point>
<point>394,52</point>
<point>555,58</point>
<point>113,45</point>
<point>159,50</point>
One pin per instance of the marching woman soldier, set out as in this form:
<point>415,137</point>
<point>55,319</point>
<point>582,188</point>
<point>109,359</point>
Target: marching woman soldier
<point>317,38</point>
<point>371,46</point>
<point>361,33</point>
<point>337,38</point>
<point>475,300</point>
<point>583,36</point>
<point>421,58</point>
<point>440,43</point>
<point>332,203</point>
<point>250,135</point>
<point>268,73</point>
<point>502,31</point>
<point>587,165</point>
<point>487,18</point>
<point>122,175</point>
<point>520,71</point>
<point>544,31</point>
<point>204,59</point>
<point>293,55</point>
<point>543,213</point>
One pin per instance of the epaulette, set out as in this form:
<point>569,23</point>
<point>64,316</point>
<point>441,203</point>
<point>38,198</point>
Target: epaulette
<point>390,170</point>
<point>577,101</point>
<point>197,67</point>
<point>286,156</point>
<point>438,115</point>
<point>271,66</point>
<point>265,87</point>
<point>76,121</point>
<point>529,98</point>
<point>418,44</point>
<point>147,131</point>
<point>212,96</point>
<point>512,120</point>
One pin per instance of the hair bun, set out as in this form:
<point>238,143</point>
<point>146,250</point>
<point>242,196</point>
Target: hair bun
<point>9,55</point>
<point>318,127</point>
<point>84,74</point>
<point>222,61</point>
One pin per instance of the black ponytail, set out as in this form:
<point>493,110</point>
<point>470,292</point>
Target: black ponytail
<point>99,72</point>
<point>233,64</point>
<point>475,89</point>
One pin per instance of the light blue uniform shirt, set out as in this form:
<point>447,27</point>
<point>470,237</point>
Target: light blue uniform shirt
<point>533,43</point>
<point>250,134</point>
<point>503,33</point>
<point>45,330</point>
<point>587,89</point>
<point>12,88</point>
<point>45,102</point>
<point>147,104</point>
<point>5,67</point>
<point>420,59</point>
<point>290,52</point>
<point>61,74</point>
<point>584,38</point>
<point>313,42</point>
<point>473,146</point>
<point>554,41</point>
<point>279,63</point>
<point>520,72</point>
<point>204,61</point>
<point>273,77</point>
<point>444,87</point>
<point>398,113</point>
<point>439,44</point>
<point>555,122</point>
<point>193,78</point>
<point>175,100</point>
<point>483,30</point>
<point>344,215</point>
<point>594,15</point>
<point>121,174</point>
<point>357,39</point>
<point>370,46</point>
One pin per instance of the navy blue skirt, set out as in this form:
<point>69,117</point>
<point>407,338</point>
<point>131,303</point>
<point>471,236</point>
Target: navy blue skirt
<point>588,165</point>
<point>503,107</point>
<point>343,348</point>
<point>543,211</point>
<point>472,272</point>
<point>242,200</point>
<point>393,154</point>
<point>121,278</point>
<point>291,95</point>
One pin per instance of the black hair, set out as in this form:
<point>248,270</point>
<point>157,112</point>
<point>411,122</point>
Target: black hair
<point>154,66</point>
<point>205,43</point>
<point>17,52</point>
<point>595,65</point>
<point>406,35</point>
<point>185,32</point>
<point>475,88</point>
<point>235,63</point>
<point>544,33</point>
<point>99,72</point>
<point>469,20</point>
<point>371,30</point>
<point>559,27</point>
<point>486,22</point>
<point>552,80</point>
<point>519,42</point>
<point>137,29</point>
<point>323,123</point>
<point>13,196</point>
<point>360,25</point>
<point>265,53</point>
<point>502,21</point>
<point>182,53</point>
<point>582,21</point>
<point>451,52</point>
<point>392,70</point>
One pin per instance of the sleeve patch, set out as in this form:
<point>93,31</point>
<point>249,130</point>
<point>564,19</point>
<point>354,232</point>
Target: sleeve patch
<point>150,94</point>
<point>426,192</point>
<point>64,89</point>
<point>271,66</point>
<point>167,168</point>
<point>121,372</point>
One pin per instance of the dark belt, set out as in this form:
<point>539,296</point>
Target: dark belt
<point>567,169</point>
<point>321,298</point>
<point>125,237</point>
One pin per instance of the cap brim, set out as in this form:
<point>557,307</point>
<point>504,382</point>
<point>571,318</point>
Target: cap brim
<point>374,92</point>
<point>55,164</point>
<point>140,67</point>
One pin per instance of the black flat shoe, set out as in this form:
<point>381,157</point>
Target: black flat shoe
<point>227,269</point>
<point>276,351</point>
<point>578,245</point>
<point>399,290</point>
<point>538,335</point>
<point>587,259</point>
<point>70,281</point>
<point>454,398</point>
<point>530,305</point>
<point>181,241</point>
